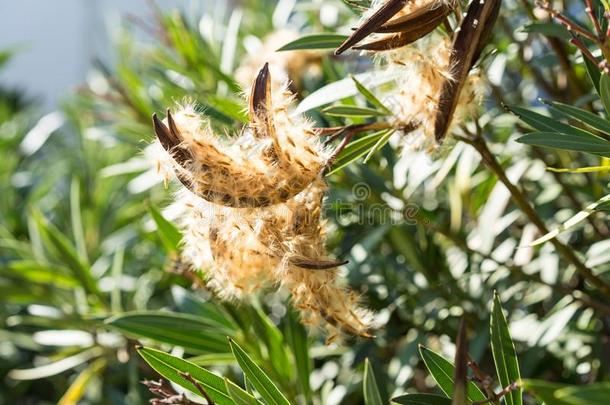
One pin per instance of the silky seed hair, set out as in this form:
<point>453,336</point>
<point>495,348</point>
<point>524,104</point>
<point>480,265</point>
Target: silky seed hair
<point>273,159</point>
<point>244,251</point>
<point>415,98</point>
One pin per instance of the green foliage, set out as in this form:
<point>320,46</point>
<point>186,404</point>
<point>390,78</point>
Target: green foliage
<point>93,291</point>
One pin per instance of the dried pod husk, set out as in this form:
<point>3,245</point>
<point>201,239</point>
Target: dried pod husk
<point>407,24</point>
<point>409,27</point>
<point>388,10</point>
<point>469,40</point>
<point>270,162</point>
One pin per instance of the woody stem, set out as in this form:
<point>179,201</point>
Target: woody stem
<point>519,198</point>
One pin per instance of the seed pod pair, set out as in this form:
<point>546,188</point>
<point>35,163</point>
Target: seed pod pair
<point>272,161</point>
<point>252,213</point>
<point>401,21</point>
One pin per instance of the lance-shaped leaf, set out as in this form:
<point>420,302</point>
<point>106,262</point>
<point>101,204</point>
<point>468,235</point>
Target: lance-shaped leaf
<point>381,16</point>
<point>470,38</point>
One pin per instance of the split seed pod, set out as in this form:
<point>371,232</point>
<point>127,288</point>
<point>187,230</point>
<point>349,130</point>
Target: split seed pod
<point>275,159</point>
<point>469,40</point>
<point>418,21</point>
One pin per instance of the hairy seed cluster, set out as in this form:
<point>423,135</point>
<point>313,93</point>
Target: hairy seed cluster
<point>252,208</point>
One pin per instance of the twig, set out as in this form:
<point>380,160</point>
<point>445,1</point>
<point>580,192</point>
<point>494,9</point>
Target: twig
<point>484,379</point>
<point>506,390</point>
<point>189,378</point>
<point>519,198</point>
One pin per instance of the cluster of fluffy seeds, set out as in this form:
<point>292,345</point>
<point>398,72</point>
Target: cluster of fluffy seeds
<point>414,101</point>
<point>252,209</point>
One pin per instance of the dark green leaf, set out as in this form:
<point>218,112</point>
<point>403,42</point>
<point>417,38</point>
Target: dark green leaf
<point>261,382</point>
<point>183,330</point>
<point>422,399</point>
<point>318,41</point>
<point>544,391</point>
<point>546,124</point>
<point>169,234</point>
<point>170,367</point>
<point>370,96</point>
<point>371,391</point>
<point>583,116</point>
<point>593,73</point>
<point>442,371</point>
<point>239,395</point>
<point>296,336</point>
<point>578,143</point>
<point>505,358</point>
<point>604,92</point>
<point>548,29</point>
<point>594,394</point>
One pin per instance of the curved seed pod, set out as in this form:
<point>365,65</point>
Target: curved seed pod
<point>381,16</point>
<point>401,39</point>
<point>275,160</point>
<point>470,38</point>
<point>411,22</point>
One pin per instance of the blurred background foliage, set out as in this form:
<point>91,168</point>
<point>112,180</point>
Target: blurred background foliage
<point>89,255</point>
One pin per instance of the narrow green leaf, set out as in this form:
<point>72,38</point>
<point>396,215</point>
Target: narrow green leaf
<point>187,331</point>
<point>442,371</point>
<point>261,382</point>
<point>503,350</point>
<point>547,124</point>
<point>351,111</point>
<point>544,391</point>
<point>573,221</point>
<point>296,336</point>
<point>547,29</point>
<point>370,96</point>
<point>604,92</point>
<point>593,394</point>
<point>371,391</point>
<point>170,367</point>
<point>588,118</point>
<point>422,399</point>
<point>239,395</point>
<point>383,140</point>
<point>574,142</point>
<point>274,340</point>
<point>356,149</point>
<point>318,41</point>
<point>169,234</point>
<point>593,73</point>
<point>67,251</point>
<point>77,221</point>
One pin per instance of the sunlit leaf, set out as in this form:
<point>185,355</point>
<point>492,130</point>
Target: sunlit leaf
<point>170,367</point>
<point>318,41</point>
<point>503,350</point>
<point>260,381</point>
<point>183,330</point>
<point>371,391</point>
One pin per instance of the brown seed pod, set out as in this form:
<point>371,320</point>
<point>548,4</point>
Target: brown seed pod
<point>268,164</point>
<point>381,16</point>
<point>412,30</point>
<point>469,40</point>
<point>433,12</point>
